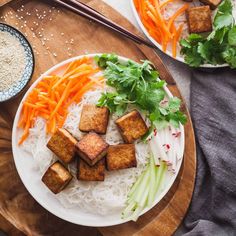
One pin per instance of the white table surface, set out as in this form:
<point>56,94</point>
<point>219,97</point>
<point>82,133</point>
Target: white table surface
<point>180,71</point>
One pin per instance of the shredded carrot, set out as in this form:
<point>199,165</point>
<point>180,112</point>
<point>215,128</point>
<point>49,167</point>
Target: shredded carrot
<point>53,95</point>
<point>165,3</point>
<point>176,39</point>
<point>176,14</point>
<point>160,29</point>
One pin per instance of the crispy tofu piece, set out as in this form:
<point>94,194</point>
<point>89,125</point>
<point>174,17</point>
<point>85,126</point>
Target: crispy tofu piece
<point>212,3</point>
<point>57,177</point>
<point>121,156</point>
<point>92,148</point>
<point>91,173</point>
<point>132,126</point>
<point>199,19</point>
<point>94,118</point>
<point>62,143</point>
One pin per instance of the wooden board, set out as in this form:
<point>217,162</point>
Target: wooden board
<point>70,35</point>
<point>3,2</point>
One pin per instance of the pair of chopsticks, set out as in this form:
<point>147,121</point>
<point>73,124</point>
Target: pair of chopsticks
<point>91,14</point>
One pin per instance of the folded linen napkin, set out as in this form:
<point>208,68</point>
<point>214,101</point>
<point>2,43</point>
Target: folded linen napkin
<point>213,109</point>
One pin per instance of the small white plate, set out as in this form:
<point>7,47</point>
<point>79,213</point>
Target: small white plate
<point>32,179</point>
<point>178,58</point>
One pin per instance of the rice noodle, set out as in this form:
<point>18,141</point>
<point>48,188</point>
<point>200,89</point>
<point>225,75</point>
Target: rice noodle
<point>110,195</point>
<point>94,197</point>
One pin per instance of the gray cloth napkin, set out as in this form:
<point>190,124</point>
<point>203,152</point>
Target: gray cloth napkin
<point>213,108</point>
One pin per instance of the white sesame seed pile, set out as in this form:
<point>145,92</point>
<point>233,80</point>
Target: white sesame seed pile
<point>12,60</point>
<point>34,29</point>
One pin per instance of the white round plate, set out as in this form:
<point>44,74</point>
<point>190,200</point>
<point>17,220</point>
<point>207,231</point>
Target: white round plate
<point>178,58</point>
<point>32,178</point>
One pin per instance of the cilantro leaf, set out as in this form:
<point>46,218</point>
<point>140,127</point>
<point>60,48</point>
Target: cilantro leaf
<point>223,21</point>
<point>232,36</point>
<point>229,56</point>
<point>104,58</point>
<point>139,85</point>
<point>220,45</point>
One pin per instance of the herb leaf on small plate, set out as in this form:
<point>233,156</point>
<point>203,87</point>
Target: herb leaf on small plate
<point>220,45</point>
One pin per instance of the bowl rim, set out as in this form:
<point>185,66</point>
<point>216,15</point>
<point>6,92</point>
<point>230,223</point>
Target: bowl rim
<point>33,62</point>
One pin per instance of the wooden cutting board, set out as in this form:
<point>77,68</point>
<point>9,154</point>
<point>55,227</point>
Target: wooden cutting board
<point>3,2</point>
<point>56,35</point>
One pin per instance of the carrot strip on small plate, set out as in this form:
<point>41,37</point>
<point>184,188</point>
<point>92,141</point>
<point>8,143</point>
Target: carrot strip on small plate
<point>180,11</point>
<point>162,30</point>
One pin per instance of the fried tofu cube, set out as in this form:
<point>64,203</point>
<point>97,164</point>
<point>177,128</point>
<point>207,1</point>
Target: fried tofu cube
<point>94,118</point>
<point>212,3</point>
<point>57,177</point>
<point>91,173</point>
<point>199,19</point>
<point>121,156</point>
<point>92,148</point>
<point>132,126</point>
<point>62,143</point>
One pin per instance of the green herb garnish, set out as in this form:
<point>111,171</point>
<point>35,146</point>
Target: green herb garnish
<point>139,85</point>
<point>219,47</point>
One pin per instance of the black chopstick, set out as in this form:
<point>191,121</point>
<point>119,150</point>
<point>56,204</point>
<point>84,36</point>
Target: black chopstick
<point>91,14</point>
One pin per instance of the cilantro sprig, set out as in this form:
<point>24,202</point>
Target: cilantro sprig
<point>219,46</point>
<point>139,85</point>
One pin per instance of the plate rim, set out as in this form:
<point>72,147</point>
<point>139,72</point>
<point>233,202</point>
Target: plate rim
<point>168,53</point>
<point>44,205</point>
<point>33,62</point>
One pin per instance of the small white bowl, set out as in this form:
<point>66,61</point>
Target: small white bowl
<point>178,58</point>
